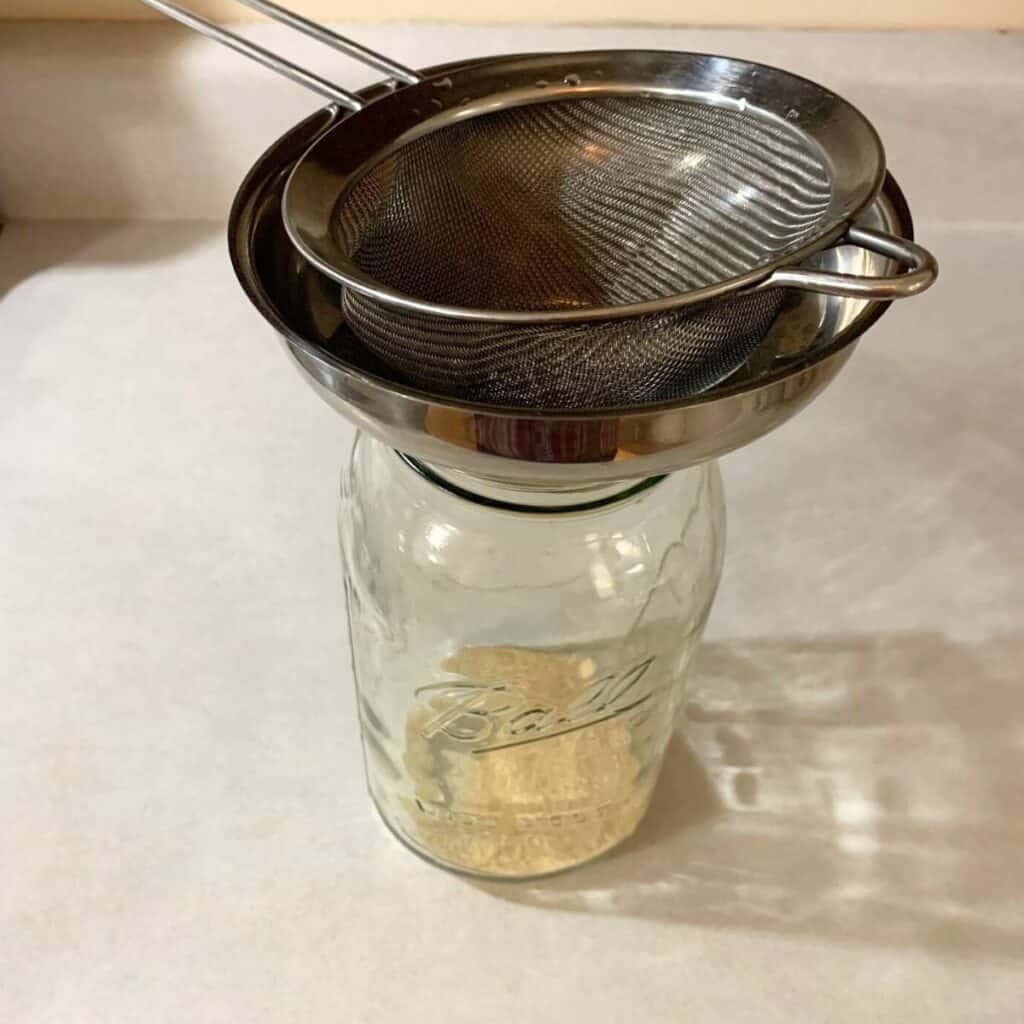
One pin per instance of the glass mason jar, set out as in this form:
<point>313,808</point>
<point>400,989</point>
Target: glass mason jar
<point>520,654</point>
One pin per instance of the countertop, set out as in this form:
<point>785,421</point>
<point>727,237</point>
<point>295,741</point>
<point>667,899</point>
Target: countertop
<point>185,834</point>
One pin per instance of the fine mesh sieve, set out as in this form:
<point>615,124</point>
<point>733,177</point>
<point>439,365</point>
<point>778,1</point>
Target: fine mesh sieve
<point>565,230</point>
<point>571,205</point>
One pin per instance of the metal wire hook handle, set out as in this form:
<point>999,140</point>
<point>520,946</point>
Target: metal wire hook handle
<point>922,273</point>
<point>290,70</point>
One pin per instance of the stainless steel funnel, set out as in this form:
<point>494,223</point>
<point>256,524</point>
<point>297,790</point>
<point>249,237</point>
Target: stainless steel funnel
<point>809,344</point>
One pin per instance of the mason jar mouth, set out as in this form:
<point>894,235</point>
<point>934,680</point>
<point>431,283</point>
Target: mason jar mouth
<point>540,499</point>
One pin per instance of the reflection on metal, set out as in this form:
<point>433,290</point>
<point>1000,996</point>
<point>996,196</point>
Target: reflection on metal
<point>805,350</point>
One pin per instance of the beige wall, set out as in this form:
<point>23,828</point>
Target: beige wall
<point>801,13</point>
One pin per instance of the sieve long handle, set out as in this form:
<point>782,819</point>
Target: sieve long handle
<point>275,62</point>
<point>922,273</point>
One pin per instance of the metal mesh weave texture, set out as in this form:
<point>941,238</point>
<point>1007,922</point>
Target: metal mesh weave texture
<point>573,204</point>
<point>567,366</point>
<point>576,203</point>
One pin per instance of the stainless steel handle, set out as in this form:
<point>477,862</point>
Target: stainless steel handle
<point>921,275</point>
<point>286,67</point>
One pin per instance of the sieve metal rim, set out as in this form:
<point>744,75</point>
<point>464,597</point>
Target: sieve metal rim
<point>348,149</point>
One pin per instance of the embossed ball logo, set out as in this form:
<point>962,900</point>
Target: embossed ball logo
<point>491,717</point>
